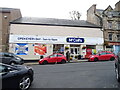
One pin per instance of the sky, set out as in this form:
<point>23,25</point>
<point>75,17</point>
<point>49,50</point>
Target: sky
<point>55,8</point>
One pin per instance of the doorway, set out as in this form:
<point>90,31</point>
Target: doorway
<point>75,50</point>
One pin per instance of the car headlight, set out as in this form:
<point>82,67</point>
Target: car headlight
<point>18,58</point>
<point>91,56</point>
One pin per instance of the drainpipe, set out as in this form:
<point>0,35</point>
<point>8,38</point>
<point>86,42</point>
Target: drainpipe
<point>101,24</point>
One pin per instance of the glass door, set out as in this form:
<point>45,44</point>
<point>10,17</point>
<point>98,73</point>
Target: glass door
<point>74,51</point>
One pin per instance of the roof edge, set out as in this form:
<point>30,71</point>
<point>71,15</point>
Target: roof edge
<point>54,25</point>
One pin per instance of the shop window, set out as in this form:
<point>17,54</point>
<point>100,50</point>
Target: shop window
<point>109,46</point>
<point>91,46</point>
<point>58,48</point>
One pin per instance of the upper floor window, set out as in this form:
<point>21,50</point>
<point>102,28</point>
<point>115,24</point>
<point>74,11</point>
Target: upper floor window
<point>118,26</point>
<point>109,25</point>
<point>118,37</point>
<point>110,36</point>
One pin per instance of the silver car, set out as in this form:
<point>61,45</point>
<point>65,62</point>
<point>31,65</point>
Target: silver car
<point>10,58</point>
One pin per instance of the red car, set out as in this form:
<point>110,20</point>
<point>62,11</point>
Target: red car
<point>54,58</point>
<point>103,55</point>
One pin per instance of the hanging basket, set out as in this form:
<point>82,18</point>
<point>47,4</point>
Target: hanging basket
<point>66,48</point>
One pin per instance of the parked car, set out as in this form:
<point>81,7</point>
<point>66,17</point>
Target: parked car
<point>54,58</point>
<point>103,55</point>
<point>117,67</point>
<point>10,58</point>
<point>16,76</point>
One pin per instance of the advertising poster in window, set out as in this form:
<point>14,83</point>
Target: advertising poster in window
<point>40,49</point>
<point>21,49</point>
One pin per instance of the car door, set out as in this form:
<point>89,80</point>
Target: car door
<point>59,58</point>
<point>102,56</point>
<point>108,55</point>
<point>118,61</point>
<point>9,78</point>
<point>52,58</point>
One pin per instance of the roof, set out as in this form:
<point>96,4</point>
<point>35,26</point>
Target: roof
<point>6,10</point>
<point>100,10</point>
<point>54,22</point>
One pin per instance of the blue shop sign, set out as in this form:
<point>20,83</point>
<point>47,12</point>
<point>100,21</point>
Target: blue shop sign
<point>75,40</point>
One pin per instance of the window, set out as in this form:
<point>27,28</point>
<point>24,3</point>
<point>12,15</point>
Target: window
<point>2,68</point>
<point>59,55</point>
<point>109,25</point>
<point>58,48</point>
<point>55,55</point>
<point>118,37</point>
<point>118,26</point>
<point>108,53</point>
<point>103,53</point>
<point>110,36</point>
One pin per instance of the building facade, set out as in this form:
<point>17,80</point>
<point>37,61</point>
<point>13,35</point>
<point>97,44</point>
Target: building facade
<point>109,19</point>
<point>6,15</point>
<point>34,37</point>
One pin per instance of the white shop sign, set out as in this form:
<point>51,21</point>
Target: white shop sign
<point>55,39</point>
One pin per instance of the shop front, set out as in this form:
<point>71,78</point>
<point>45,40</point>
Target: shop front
<point>32,38</point>
<point>114,47</point>
<point>33,47</point>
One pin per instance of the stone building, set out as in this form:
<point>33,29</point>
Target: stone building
<point>6,15</point>
<point>109,19</point>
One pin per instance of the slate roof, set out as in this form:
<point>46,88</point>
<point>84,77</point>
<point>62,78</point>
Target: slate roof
<point>53,22</point>
<point>6,10</point>
<point>100,10</point>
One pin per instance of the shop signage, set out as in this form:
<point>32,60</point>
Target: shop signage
<point>36,39</point>
<point>21,49</point>
<point>55,39</point>
<point>75,40</point>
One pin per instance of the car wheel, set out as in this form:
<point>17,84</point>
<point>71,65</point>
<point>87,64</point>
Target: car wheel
<point>12,63</point>
<point>25,83</point>
<point>63,61</point>
<point>95,59</point>
<point>112,58</point>
<point>44,62</point>
<point>117,74</point>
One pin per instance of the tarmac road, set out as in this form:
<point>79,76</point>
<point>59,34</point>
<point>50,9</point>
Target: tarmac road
<point>75,75</point>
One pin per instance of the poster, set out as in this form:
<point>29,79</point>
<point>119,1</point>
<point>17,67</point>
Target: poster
<point>40,49</point>
<point>21,49</point>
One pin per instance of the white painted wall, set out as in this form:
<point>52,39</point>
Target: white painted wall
<point>18,29</point>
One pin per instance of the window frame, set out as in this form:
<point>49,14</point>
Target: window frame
<point>110,38</point>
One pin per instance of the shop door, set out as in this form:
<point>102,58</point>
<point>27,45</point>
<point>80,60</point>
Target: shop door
<point>74,51</point>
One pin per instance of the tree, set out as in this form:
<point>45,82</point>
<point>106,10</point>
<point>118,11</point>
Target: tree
<point>75,15</point>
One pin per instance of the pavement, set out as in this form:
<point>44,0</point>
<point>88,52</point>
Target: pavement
<point>72,61</point>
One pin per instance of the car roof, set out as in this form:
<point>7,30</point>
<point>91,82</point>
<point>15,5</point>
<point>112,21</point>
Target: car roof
<point>58,53</point>
<point>5,64</point>
<point>106,51</point>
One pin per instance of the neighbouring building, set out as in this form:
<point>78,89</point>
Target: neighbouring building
<point>31,38</point>
<point>6,15</point>
<point>109,19</point>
